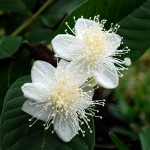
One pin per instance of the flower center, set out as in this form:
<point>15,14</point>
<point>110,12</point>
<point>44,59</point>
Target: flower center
<point>64,96</point>
<point>96,43</point>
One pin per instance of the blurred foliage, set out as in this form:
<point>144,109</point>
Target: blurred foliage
<point>145,138</point>
<point>119,144</point>
<point>133,101</point>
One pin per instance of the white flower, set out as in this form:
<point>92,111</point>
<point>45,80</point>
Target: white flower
<point>57,98</point>
<point>93,51</point>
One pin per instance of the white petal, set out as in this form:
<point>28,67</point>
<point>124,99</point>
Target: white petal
<point>62,64</point>
<point>65,128</point>
<point>43,72</point>
<point>106,76</point>
<point>35,91</point>
<point>36,111</point>
<point>114,41</point>
<point>79,70</point>
<point>83,25</point>
<point>84,104</point>
<point>67,46</point>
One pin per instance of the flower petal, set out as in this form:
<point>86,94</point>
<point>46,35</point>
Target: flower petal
<point>106,75</point>
<point>66,129</point>
<point>67,46</point>
<point>35,91</point>
<point>114,42</point>
<point>36,111</point>
<point>89,90</point>
<point>83,25</point>
<point>62,65</point>
<point>79,71</point>
<point>84,104</point>
<point>43,72</point>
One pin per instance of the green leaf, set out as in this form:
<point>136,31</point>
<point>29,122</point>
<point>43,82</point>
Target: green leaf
<point>14,6</point>
<point>15,133</point>
<point>105,8</point>
<point>38,35</point>
<point>59,9</point>
<point>135,29</point>
<point>145,138</point>
<point>9,46</point>
<point>119,144</point>
<point>134,21</point>
<point>30,4</point>
<point>11,71</point>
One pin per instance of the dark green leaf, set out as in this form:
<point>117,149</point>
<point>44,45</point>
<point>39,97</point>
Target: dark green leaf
<point>38,35</point>
<point>10,21</point>
<point>16,134</point>
<point>119,144</point>
<point>11,71</point>
<point>14,6</point>
<point>30,4</point>
<point>105,8</point>
<point>145,138</point>
<point>135,29</point>
<point>135,26</point>
<point>9,46</point>
<point>59,9</point>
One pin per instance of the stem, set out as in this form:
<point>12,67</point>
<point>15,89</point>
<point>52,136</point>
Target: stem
<point>29,21</point>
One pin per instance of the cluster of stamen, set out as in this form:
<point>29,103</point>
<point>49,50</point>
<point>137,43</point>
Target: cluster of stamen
<point>97,46</point>
<point>65,94</point>
<point>67,101</point>
<point>64,102</point>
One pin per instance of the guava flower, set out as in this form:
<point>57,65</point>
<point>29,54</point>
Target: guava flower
<point>93,51</point>
<point>58,98</point>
